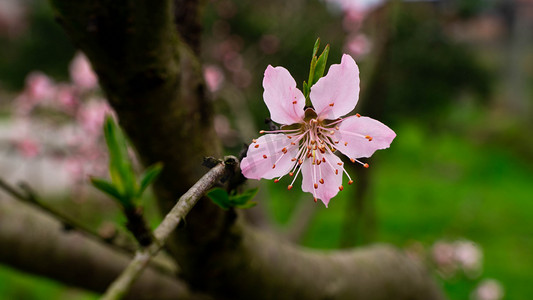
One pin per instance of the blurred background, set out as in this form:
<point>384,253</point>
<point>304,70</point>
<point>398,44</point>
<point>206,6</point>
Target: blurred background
<point>452,78</point>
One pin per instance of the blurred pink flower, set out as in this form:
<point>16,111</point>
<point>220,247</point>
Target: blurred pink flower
<point>443,256</point>
<point>92,114</point>
<point>468,256</point>
<point>488,289</point>
<point>82,73</point>
<point>358,45</point>
<point>38,88</point>
<point>27,147</point>
<point>213,77</point>
<point>307,146</point>
<point>66,98</point>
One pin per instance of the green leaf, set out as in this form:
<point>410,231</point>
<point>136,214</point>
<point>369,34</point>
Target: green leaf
<point>120,167</point>
<point>315,48</point>
<point>149,176</point>
<point>106,187</point>
<point>220,197</point>
<point>243,198</point>
<point>306,90</point>
<point>312,71</point>
<point>320,66</point>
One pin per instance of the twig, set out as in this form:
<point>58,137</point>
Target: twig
<point>27,195</point>
<point>122,284</point>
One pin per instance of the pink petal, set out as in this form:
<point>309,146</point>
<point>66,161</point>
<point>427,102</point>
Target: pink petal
<point>284,101</point>
<point>337,93</point>
<point>256,166</point>
<point>312,173</point>
<point>362,136</point>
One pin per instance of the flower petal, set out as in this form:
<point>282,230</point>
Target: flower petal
<point>284,101</point>
<point>266,158</point>
<point>326,177</point>
<point>337,93</point>
<point>362,136</point>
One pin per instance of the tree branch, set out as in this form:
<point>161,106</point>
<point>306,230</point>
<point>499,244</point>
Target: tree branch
<point>122,284</point>
<point>35,243</point>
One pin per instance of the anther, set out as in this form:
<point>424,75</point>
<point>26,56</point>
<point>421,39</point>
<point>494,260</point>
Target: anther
<point>336,142</point>
<point>262,131</point>
<point>369,138</point>
<point>293,159</point>
<point>315,199</point>
<point>289,187</point>
<point>293,143</point>
<point>264,156</point>
<point>358,115</point>
<point>345,143</point>
<point>366,165</point>
<point>350,182</point>
<point>314,147</point>
<point>294,102</point>
<point>316,186</point>
<point>318,163</point>
<point>291,173</point>
<point>273,166</point>
<point>256,146</point>
<point>254,141</point>
<point>340,164</point>
<point>331,104</point>
<point>289,137</point>
<point>337,127</point>
<point>313,142</point>
<point>284,150</point>
<point>341,188</point>
<point>300,161</point>
<point>276,180</point>
<point>332,132</point>
<point>323,159</point>
<point>336,172</point>
<point>321,180</point>
<point>352,160</point>
<point>323,150</point>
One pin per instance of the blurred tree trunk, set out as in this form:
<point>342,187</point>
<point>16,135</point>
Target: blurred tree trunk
<point>149,70</point>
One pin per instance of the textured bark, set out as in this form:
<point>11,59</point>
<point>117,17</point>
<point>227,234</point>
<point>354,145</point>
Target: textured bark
<point>34,242</point>
<point>154,82</point>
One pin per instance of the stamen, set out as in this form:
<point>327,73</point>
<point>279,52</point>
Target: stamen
<point>273,166</point>
<point>316,186</point>
<point>284,150</point>
<point>323,159</point>
<point>294,102</point>
<point>256,146</point>
<point>366,165</point>
<point>345,143</point>
<point>276,180</point>
<point>341,188</point>
<point>337,127</point>
<point>331,104</point>
<point>300,161</point>
<point>336,172</point>
<point>289,187</point>
<point>254,141</point>
<point>350,182</point>
<point>369,138</point>
<point>315,199</point>
<point>293,159</point>
<point>291,173</point>
<point>261,131</point>
<point>358,115</point>
<point>340,164</point>
<point>321,180</point>
<point>264,156</point>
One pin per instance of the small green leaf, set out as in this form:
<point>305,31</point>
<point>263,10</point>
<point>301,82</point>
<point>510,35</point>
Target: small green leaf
<point>243,198</point>
<point>220,197</point>
<point>320,66</point>
<point>306,90</point>
<point>315,48</point>
<point>120,167</point>
<point>106,187</point>
<point>149,176</point>
<point>312,71</point>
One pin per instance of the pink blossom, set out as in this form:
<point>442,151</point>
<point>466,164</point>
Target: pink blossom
<point>308,144</point>
<point>82,73</point>
<point>358,45</point>
<point>28,147</point>
<point>213,77</point>
<point>91,116</point>
<point>468,255</point>
<point>488,289</point>
<point>38,88</point>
